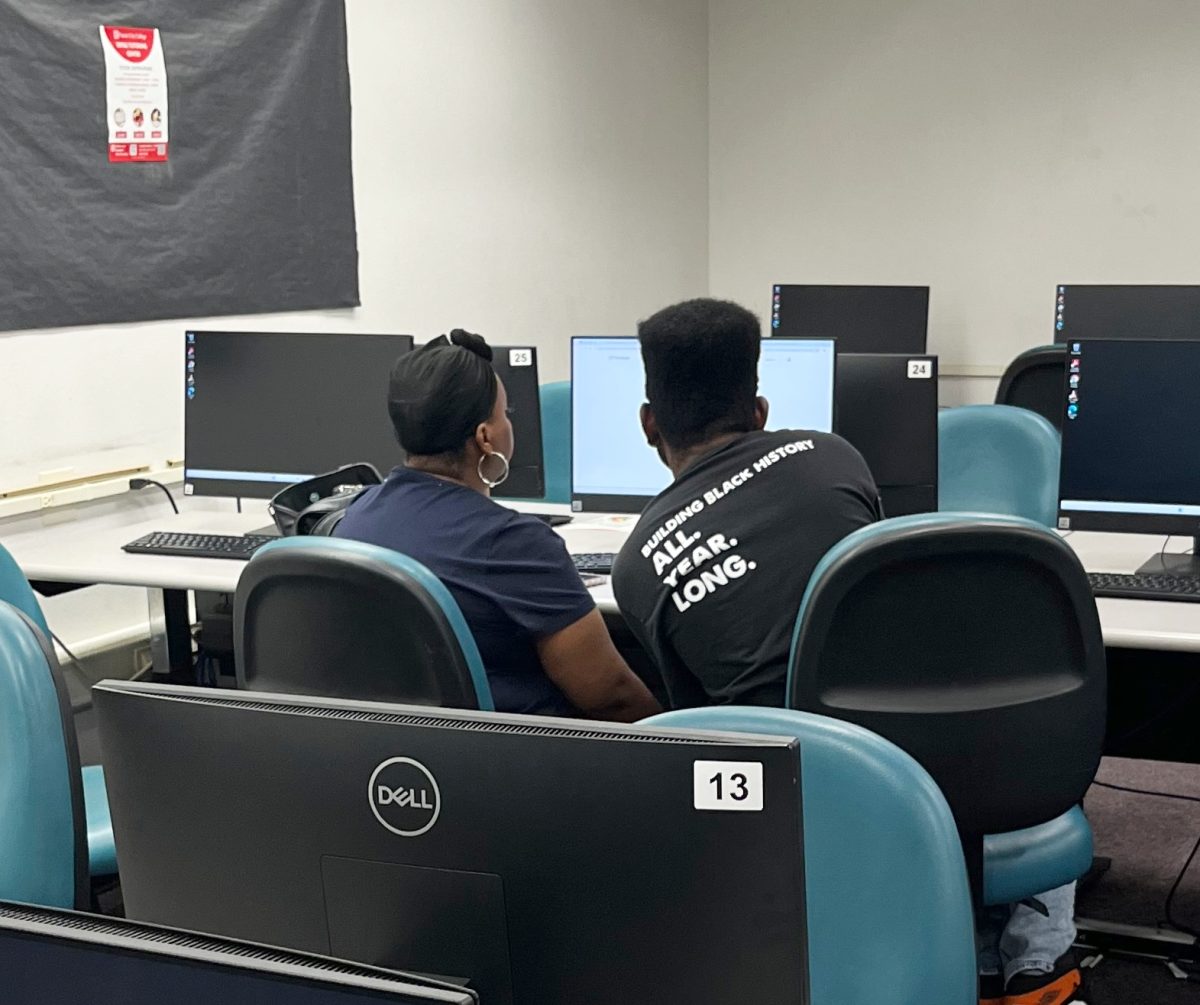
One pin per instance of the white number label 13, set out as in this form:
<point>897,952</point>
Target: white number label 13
<point>728,785</point>
<point>920,369</point>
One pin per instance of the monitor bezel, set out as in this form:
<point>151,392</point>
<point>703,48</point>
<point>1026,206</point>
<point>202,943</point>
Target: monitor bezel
<point>1119,523</point>
<point>226,488</point>
<point>591,502</point>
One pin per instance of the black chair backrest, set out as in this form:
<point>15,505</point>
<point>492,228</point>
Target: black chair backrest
<point>340,619</point>
<point>974,645</point>
<point>1035,380</point>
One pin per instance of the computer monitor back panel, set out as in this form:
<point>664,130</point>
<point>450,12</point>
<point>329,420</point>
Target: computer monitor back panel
<point>265,410</point>
<point>53,957</point>
<point>860,318</point>
<point>545,860</point>
<point>517,368</point>
<point>1131,438</point>
<point>1086,312</point>
<point>887,408</point>
<point>614,470</point>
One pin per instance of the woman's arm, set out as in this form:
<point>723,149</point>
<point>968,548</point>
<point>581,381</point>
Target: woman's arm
<point>585,665</point>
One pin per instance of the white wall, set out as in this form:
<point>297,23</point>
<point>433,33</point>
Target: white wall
<point>531,169</point>
<point>989,150</point>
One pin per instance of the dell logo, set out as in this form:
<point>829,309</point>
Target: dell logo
<point>404,796</point>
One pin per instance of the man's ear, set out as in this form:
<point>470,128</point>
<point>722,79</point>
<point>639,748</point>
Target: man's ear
<point>762,408</point>
<point>650,425</point>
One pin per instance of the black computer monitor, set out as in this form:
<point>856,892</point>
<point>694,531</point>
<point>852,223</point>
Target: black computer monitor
<point>264,410</point>
<point>517,367</point>
<point>860,318</point>
<point>1131,441</point>
<point>887,408</point>
<point>613,469</point>
<point>542,860</point>
<point>1126,312</point>
<point>53,957</point>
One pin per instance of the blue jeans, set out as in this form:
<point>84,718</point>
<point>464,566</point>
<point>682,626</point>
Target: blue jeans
<point>1015,937</point>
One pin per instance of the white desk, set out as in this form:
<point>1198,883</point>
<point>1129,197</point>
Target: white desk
<point>81,552</point>
<point>1138,624</point>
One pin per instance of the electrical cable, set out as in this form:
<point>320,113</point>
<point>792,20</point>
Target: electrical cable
<point>140,483</point>
<point>1169,903</point>
<point>87,679</point>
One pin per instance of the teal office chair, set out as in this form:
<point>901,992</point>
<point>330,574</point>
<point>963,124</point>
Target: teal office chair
<point>1035,380</point>
<point>102,850</point>
<point>556,440</point>
<point>43,839</point>
<point>998,459</point>
<point>971,642</point>
<point>889,910</point>
<point>343,619</point>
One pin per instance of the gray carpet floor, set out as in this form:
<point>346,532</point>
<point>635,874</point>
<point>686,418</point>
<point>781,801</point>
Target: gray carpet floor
<point>1148,839</point>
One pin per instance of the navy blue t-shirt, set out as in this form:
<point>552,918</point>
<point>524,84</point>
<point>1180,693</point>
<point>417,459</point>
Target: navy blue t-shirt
<point>510,573</point>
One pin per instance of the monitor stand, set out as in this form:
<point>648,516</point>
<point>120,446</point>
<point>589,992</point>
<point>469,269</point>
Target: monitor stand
<point>1173,563</point>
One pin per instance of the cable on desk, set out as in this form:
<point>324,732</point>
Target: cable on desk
<point>140,483</point>
<point>1170,901</point>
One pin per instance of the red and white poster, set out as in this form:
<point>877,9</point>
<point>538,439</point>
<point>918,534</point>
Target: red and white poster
<point>135,72</point>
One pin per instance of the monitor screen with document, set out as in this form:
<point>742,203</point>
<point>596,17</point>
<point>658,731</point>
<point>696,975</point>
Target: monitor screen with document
<point>614,470</point>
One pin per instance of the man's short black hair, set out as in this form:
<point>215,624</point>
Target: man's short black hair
<point>701,359</point>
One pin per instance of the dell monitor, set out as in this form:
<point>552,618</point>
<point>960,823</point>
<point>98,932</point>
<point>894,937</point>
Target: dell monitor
<point>1130,447</point>
<point>887,409</point>
<point>534,860</point>
<point>893,319</point>
<point>614,470</point>
<point>52,957</point>
<point>517,368</point>
<point>1126,312</point>
<point>265,410</point>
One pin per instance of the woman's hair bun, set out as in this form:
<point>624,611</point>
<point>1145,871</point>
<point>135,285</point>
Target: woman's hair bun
<point>471,342</point>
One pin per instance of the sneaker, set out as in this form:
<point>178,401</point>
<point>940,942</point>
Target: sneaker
<point>1032,987</point>
<point>991,989</point>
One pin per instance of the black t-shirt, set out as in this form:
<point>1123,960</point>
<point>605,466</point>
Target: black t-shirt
<point>712,577</point>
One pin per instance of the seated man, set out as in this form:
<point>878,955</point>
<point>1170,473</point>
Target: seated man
<point>712,576</point>
<point>725,641</point>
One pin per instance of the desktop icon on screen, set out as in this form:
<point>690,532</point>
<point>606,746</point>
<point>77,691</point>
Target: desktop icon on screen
<point>1059,325</point>
<point>1076,348</point>
<point>1074,380</point>
<point>1074,366</point>
<point>1072,411</point>
<point>191,337</point>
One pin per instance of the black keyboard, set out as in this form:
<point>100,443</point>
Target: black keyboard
<point>1145,586</point>
<point>198,545</point>
<point>598,563</point>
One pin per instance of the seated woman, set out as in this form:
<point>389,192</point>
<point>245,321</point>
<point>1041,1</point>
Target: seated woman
<point>543,643</point>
